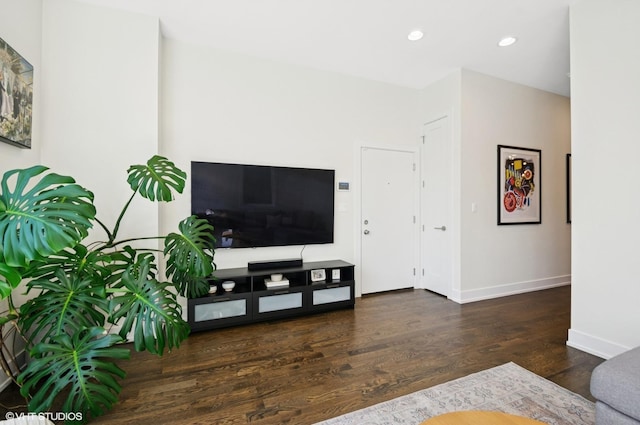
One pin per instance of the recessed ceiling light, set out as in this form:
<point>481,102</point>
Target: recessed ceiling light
<point>415,35</point>
<point>507,41</point>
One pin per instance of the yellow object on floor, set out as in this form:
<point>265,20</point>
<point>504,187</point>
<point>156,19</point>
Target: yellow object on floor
<point>477,417</point>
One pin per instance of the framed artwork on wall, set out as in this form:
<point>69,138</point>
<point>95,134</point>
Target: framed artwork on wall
<point>16,97</point>
<point>519,188</point>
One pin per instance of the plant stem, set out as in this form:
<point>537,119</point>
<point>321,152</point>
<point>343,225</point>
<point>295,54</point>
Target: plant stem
<point>12,307</point>
<point>115,243</point>
<point>117,226</point>
<point>106,229</point>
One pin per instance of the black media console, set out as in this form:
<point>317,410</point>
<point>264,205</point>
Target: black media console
<point>252,301</point>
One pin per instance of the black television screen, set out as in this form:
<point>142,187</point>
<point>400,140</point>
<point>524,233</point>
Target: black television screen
<point>258,206</point>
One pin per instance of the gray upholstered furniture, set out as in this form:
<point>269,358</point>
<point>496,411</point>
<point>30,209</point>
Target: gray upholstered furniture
<point>615,384</point>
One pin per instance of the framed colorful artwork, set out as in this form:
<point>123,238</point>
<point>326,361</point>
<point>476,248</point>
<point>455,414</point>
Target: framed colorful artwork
<point>519,188</point>
<point>16,97</point>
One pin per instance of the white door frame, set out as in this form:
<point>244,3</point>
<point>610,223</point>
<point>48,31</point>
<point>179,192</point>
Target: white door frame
<point>454,292</point>
<point>357,196</point>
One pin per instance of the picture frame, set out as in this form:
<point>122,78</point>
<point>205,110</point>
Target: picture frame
<point>16,97</point>
<point>335,275</point>
<point>568,188</point>
<point>318,275</point>
<point>519,185</point>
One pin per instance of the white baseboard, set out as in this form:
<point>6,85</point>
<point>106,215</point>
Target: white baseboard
<point>462,297</point>
<point>594,345</point>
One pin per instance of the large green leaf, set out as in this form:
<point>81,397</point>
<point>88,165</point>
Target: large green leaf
<point>156,180</point>
<point>190,287</point>
<point>39,218</point>
<point>130,259</point>
<point>10,278</point>
<point>188,257</point>
<point>66,304</point>
<point>79,366</point>
<point>78,260</point>
<point>150,309</point>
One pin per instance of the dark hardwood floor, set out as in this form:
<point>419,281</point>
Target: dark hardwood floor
<point>308,369</point>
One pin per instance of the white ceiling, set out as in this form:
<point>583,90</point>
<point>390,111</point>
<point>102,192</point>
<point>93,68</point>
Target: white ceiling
<point>368,38</point>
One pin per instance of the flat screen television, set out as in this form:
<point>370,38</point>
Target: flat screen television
<point>260,206</point>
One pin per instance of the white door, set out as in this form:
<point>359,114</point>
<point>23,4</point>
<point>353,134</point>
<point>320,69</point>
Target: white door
<point>387,226</point>
<point>436,203</point>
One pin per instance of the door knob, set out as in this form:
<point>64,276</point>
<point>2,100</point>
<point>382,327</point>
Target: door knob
<point>443,228</point>
<point>366,232</point>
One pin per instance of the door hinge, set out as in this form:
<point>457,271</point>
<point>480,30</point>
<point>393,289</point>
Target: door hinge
<point>423,140</point>
<point>422,272</point>
<point>414,271</point>
<point>414,219</point>
<point>414,166</point>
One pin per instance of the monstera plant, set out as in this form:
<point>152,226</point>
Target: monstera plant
<point>78,289</point>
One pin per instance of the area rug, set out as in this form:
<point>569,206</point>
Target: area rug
<point>508,388</point>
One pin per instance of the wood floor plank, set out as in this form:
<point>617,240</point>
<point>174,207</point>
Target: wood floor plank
<point>307,369</point>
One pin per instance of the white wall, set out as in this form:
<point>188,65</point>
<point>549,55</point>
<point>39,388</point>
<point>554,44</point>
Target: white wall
<point>605,318</point>
<point>502,260</point>
<point>100,94</point>
<point>441,99</point>
<point>20,22</point>
<point>485,112</point>
<point>219,106</point>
